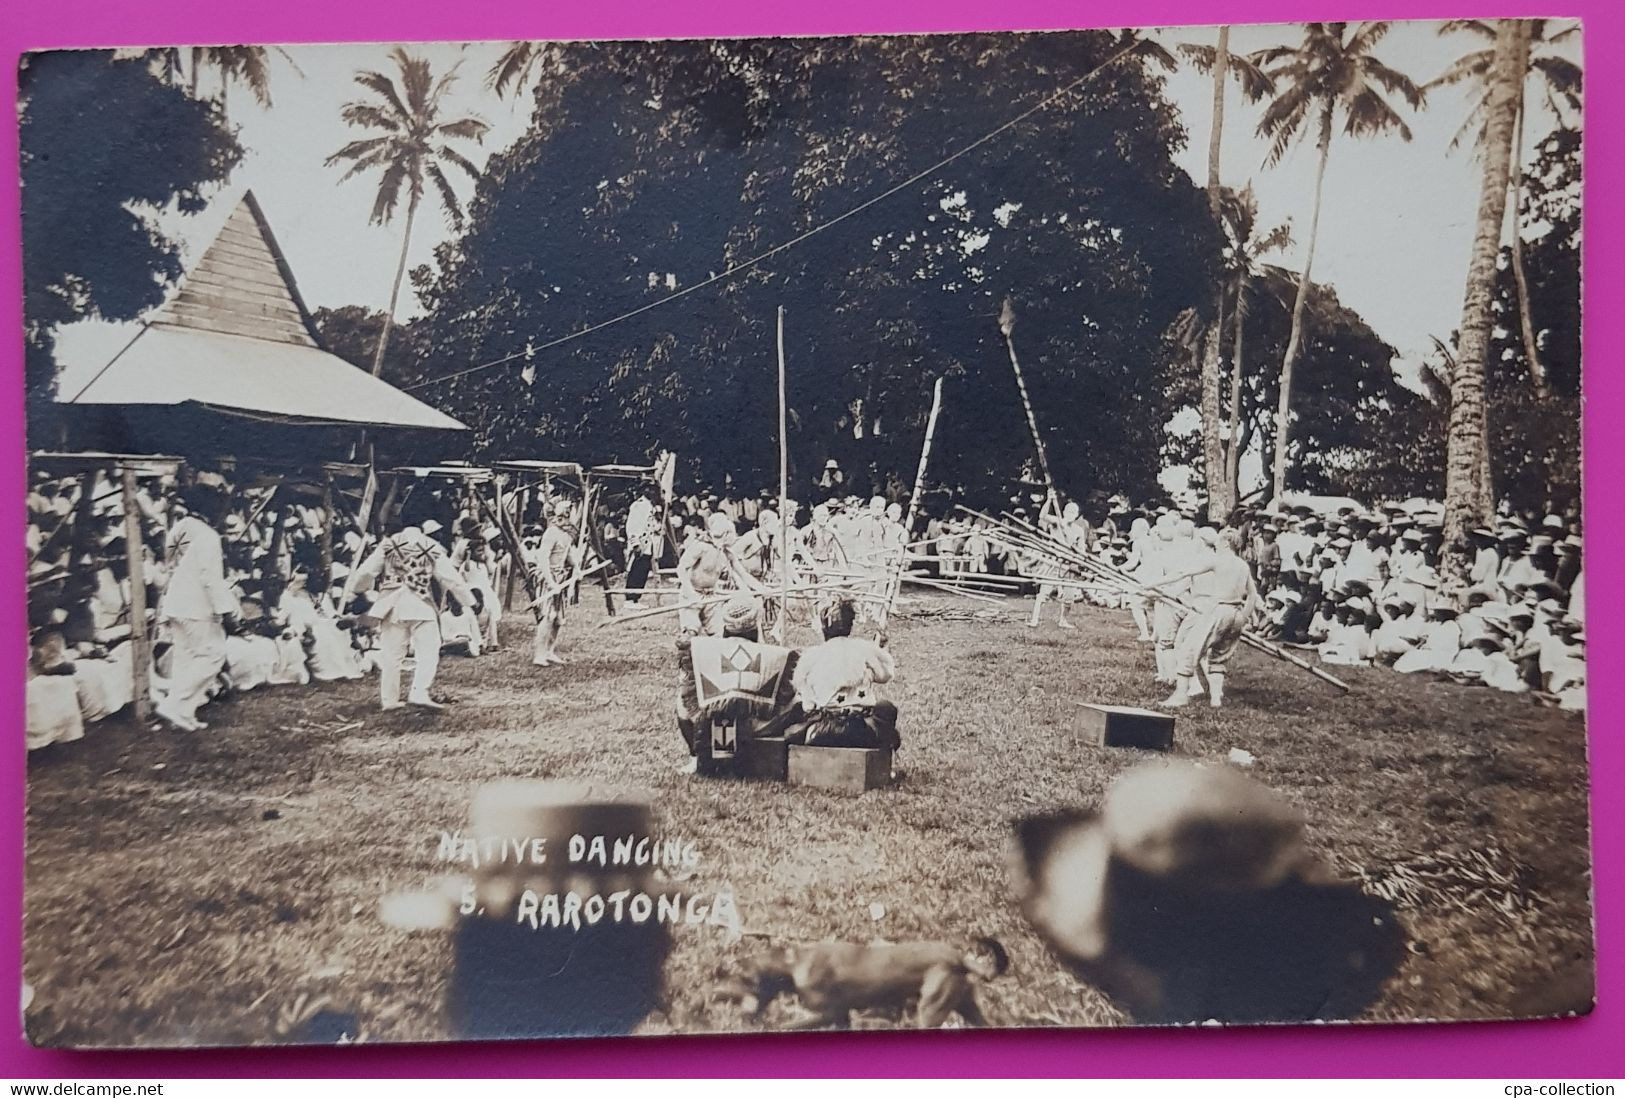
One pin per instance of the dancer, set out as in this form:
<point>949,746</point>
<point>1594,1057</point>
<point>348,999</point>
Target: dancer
<point>552,563</point>
<point>1140,566</point>
<point>1170,557</point>
<point>1224,601</point>
<point>700,571</point>
<point>1073,532</point>
<point>402,568</point>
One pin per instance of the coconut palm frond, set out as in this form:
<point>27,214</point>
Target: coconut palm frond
<point>409,141</point>
<point>389,191</point>
<point>1368,113</point>
<point>384,88</point>
<point>1468,67</point>
<point>513,68</point>
<point>471,128</point>
<point>448,197</point>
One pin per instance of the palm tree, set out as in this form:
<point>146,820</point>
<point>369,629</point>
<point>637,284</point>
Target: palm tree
<point>1562,79</point>
<point>1221,63</point>
<point>1468,498</point>
<point>409,146</point>
<point>247,65</point>
<point>1245,249</point>
<point>513,69</point>
<point>1331,74</point>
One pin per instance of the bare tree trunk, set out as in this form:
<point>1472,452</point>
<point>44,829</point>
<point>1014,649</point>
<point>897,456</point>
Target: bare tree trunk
<point>395,290</point>
<point>1468,497</point>
<point>1220,499</point>
<point>1232,465</point>
<point>1283,415</point>
<point>1526,322</point>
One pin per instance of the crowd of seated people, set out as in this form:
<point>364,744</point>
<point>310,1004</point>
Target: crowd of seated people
<point>287,626</point>
<point>1366,587</point>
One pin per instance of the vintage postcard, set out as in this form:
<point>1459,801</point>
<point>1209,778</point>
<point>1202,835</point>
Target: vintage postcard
<point>1007,529</point>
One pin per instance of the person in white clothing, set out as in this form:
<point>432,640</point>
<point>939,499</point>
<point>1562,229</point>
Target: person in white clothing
<point>402,567</point>
<point>195,601</point>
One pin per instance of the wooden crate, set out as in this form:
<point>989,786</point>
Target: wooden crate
<point>1126,726</point>
<point>766,757</point>
<point>841,769</point>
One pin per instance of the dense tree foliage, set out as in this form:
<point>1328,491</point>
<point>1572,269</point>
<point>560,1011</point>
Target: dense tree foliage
<point>645,172</point>
<point>90,128</point>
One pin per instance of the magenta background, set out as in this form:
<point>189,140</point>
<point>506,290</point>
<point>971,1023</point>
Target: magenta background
<point>1569,1049</point>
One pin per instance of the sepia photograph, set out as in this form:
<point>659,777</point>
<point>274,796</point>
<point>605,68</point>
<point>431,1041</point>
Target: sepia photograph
<point>735,535</point>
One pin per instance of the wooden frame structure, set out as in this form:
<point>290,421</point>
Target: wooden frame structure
<point>522,478</point>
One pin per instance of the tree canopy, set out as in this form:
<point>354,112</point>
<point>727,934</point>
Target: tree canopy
<point>645,172</point>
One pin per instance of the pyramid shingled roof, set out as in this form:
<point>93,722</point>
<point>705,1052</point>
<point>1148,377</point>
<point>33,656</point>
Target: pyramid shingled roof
<point>242,285</point>
<point>237,338</point>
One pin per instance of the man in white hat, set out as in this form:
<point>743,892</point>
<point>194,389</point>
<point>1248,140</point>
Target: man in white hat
<point>195,601</point>
<point>403,567</point>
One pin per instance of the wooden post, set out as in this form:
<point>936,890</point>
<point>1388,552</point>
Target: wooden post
<point>275,579</point>
<point>326,542</point>
<point>784,494</point>
<point>514,562</point>
<point>134,550</point>
<point>80,534</point>
<point>1007,325</point>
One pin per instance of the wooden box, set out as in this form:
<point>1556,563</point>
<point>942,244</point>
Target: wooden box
<point>766,757</point>
<point>842,769</point>
<point>1126,726</point>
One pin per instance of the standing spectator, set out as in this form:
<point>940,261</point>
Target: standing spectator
<point>1266,558</point>
<point>643,538</point>
<point>195,602</point>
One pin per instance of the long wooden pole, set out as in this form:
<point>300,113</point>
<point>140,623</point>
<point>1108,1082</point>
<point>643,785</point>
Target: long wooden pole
<point>1007,325</point>
<point>913,503</point>
<point>135,565</point>
<point>784,494</point>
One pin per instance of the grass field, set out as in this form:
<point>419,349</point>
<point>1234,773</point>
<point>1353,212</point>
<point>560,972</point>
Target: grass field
<point>190,889</point>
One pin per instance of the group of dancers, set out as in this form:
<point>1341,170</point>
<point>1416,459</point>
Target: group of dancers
<point>1189,589</point>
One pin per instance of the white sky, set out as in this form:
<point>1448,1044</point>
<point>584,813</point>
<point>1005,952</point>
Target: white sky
<point>1395,231</point>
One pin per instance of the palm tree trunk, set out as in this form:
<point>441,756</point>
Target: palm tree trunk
<point>1219,496</point>
<point>395,290</point>
<point>1468,497</point>
<point>1299,301</point>
<point>1526,323</point>
<point>1232,465</point>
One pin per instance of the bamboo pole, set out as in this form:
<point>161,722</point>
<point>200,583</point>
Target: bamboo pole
<point>135,566</point>
<point>657,611</point>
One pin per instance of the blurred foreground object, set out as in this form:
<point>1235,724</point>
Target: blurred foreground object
<point>579,978</point>
<point>1190,896</point>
